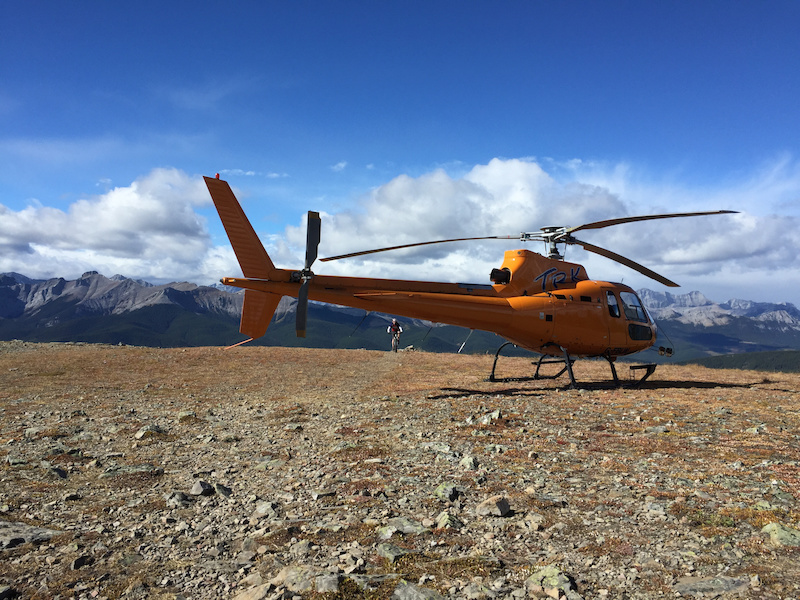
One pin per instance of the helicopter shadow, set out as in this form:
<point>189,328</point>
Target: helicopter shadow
<point>682,385</point>
<point>451,393</point>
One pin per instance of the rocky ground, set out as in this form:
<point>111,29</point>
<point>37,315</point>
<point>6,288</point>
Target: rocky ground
<point>296,473</point>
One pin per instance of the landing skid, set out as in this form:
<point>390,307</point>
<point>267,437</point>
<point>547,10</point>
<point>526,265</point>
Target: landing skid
<point>544,359</point>
<point>567,362</point>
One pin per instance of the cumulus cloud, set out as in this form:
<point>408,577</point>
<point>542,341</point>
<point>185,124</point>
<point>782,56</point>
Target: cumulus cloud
<point>728,255</point>
<point>503,197</point>
<point>148,229</point>
<point>152,228</point>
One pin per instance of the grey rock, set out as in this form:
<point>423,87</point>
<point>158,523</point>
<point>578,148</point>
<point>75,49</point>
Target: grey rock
<point>551,579</point>
<point>16,534</point>
<point>489,418</point>
<point>782,535</point>
<point>121,470</point>
<point>297,578</point>
<point>245,557</point>
<point>476,591</point>
<point>81,561</point>
<point>328,583</point>
<point>201,488</point>
<point>177,499</point>
<point>317,494</point>
<point>711,585</point>
<point>267,509</point>
<point>7,592</point>
<point>186,415</point>
<point>390,551</point>
<point>447,492</point>
<point>56,473</point>
<point>657,429</point>
<point>470,463</point>
<point>403,525</point>
<point>149,430</point>
<point>410,591</point>
<point>259,592</point>
<point>445,520</point>
<point>223,490</point>
<point>300,549</point>
<point>495,506</point>
<point>15,461</point>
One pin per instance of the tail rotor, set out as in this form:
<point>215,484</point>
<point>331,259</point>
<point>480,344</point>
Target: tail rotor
<point>306,275</point>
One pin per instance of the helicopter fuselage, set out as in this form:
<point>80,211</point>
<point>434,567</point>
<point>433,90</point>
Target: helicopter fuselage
<point>542,304</point>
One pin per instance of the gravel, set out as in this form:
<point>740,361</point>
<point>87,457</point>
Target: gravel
<point>297,473</point>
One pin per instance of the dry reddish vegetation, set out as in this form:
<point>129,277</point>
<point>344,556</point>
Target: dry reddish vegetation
<point>719,450</point>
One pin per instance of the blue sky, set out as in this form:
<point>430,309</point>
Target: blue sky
<point>400,122</point>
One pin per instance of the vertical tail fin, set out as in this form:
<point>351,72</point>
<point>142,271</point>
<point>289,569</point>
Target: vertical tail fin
<point>258,307</point>
<point>250,252</point>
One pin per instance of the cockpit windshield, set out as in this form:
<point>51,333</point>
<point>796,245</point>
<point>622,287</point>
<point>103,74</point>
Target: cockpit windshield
<point>632,307</point>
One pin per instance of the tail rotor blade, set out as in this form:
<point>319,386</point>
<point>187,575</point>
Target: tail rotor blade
<point>312,237</point>
<point>302,309</point>
<point>313,229</point>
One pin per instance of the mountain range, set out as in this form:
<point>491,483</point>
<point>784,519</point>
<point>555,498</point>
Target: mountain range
<point>95,308</point>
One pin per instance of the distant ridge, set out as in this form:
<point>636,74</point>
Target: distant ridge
<point>117,309</point>
<point>786,361</point>
<point>95,308</point>
<point>698,327</point>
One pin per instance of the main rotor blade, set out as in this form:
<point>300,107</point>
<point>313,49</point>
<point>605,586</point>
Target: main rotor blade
<point>625,261</point>
<point>610,222</point>
<point>302,309</point>
<point>469,239</point>
<point>313,228</point>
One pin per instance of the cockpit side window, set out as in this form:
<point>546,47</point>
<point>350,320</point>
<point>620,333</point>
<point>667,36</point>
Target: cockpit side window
<point>613,306</point>
<point>634,311</point>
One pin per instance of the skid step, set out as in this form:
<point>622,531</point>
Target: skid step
<point>648,369</point>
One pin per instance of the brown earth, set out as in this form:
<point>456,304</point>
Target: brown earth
<point>328,472</point>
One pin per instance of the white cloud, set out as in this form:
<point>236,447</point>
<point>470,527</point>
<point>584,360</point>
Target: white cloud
<point>338,167</point>
<point>238,173</point>
<point>149,229</point>
<point>729,254</point>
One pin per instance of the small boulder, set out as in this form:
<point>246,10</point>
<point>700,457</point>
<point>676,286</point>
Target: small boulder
<point>495,506</point>
<point>201,488</point>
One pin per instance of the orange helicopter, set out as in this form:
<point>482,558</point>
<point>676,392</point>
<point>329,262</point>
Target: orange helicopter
<point>543,304</point>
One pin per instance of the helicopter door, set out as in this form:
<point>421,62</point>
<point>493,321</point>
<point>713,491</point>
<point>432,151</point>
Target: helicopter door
<point>617,324</point>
